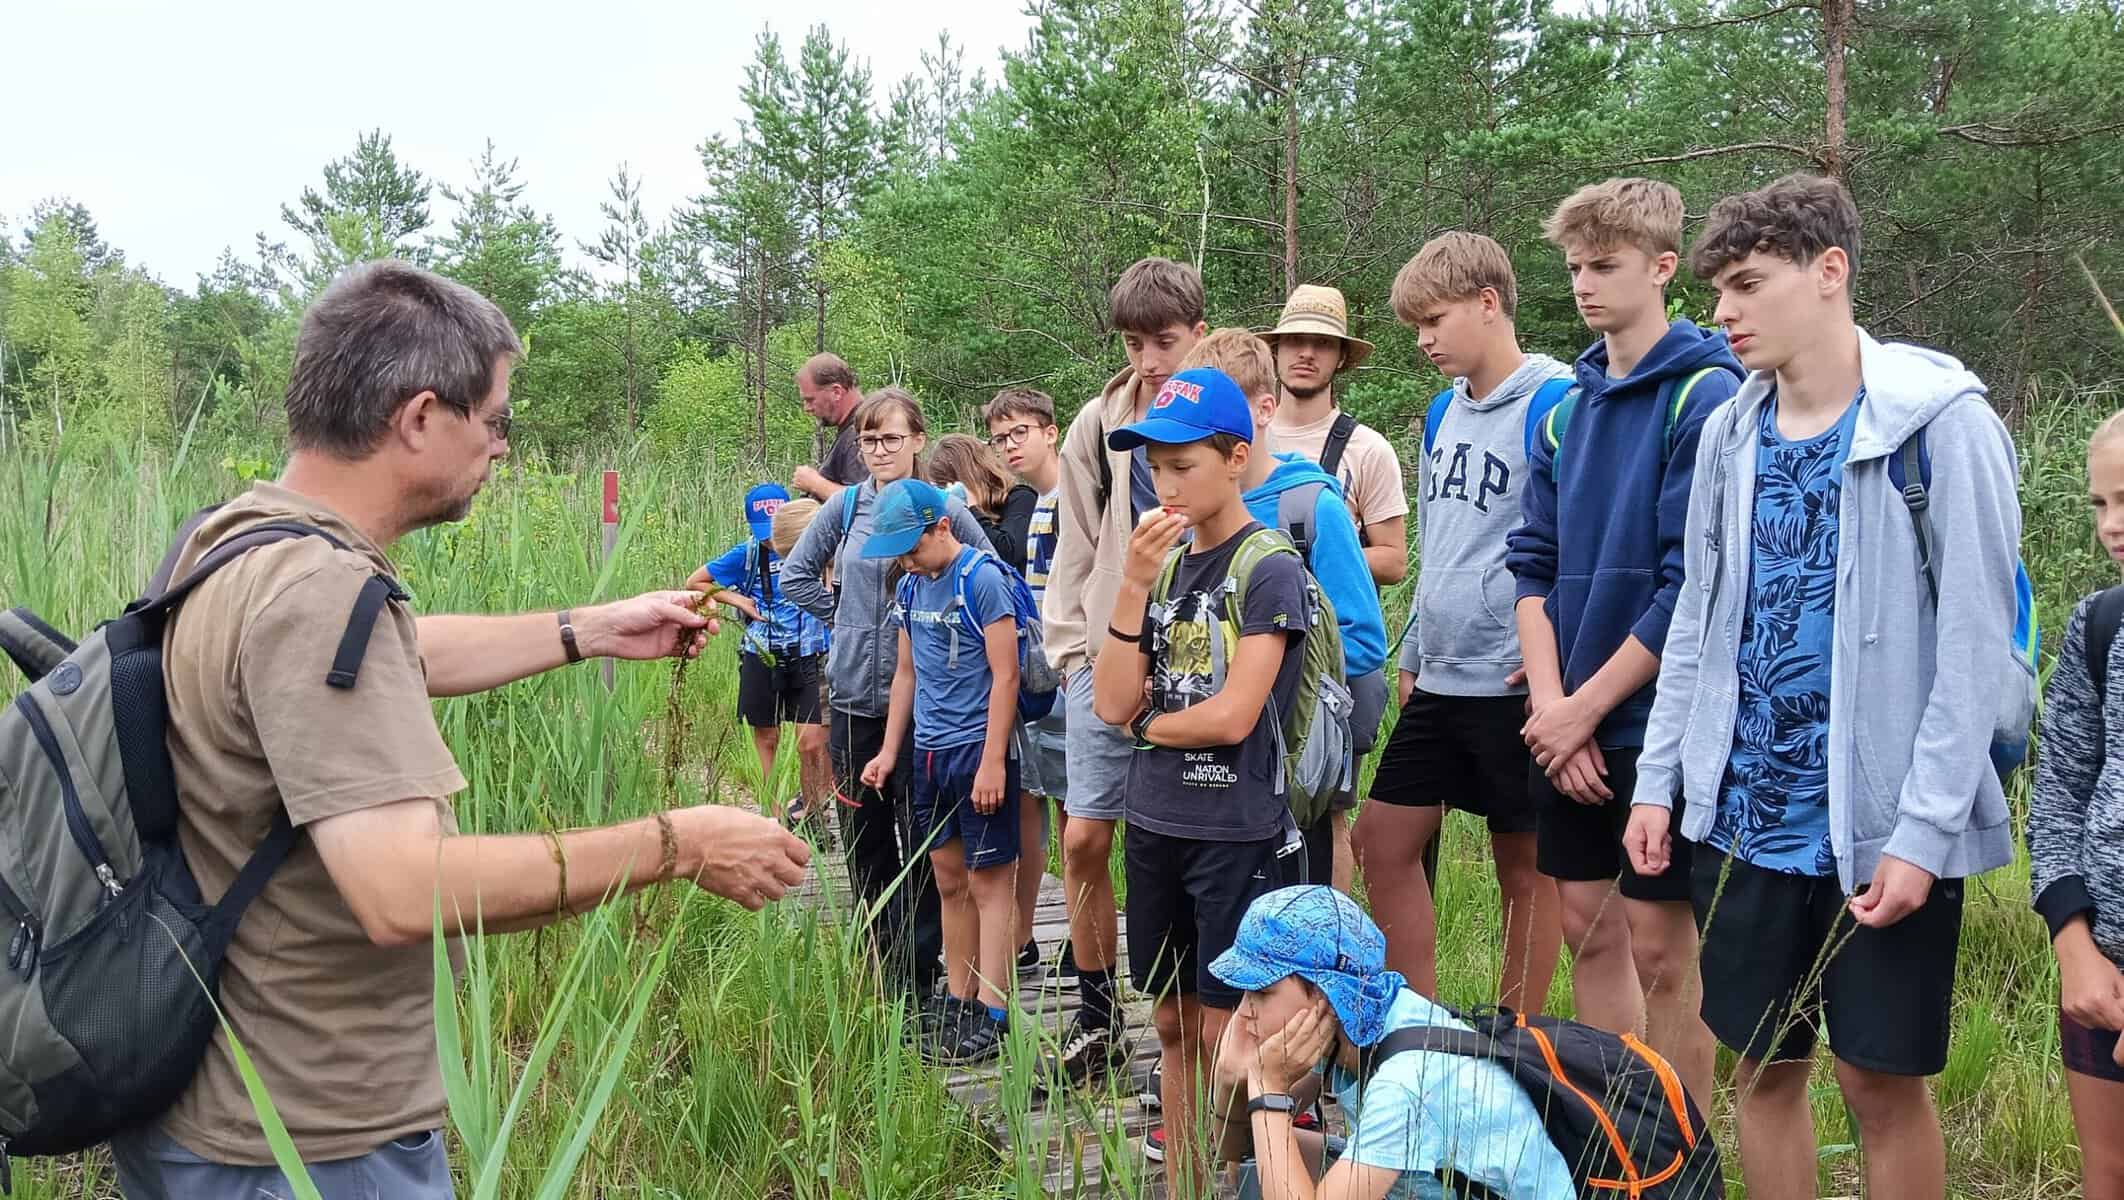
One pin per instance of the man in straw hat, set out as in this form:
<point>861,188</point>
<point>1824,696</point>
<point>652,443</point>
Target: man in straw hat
<point>1313,345</point>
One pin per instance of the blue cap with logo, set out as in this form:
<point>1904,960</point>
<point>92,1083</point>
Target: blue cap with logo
<point>906,509</point>
<point>761,503</point>
<point>1321,936</point>
<point>1192,405</point>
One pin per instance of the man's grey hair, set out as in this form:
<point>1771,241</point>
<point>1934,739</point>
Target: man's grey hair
<point>379,335</point>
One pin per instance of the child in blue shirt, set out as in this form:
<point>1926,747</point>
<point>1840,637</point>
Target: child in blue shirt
<point>960,690</point>
<point>782,653</point>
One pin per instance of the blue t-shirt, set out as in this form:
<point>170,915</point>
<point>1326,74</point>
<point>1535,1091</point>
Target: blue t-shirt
<point>952,679</point>
<point>1773,806</point>
<point>1424,1111</point>
<point>783,630</point>
<point>1040,544</point>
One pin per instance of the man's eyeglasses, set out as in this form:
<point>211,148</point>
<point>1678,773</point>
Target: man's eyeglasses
<point>498,423</point>
<point>1011,437</point>
<point>890,443</point>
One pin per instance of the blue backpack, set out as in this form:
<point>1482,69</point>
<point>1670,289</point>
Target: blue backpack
<point>1910,471</point>
<point>1038,681</point>
<point>1547,398</point>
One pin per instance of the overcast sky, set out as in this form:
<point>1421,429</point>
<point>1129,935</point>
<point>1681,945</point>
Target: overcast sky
<point>184,126</point>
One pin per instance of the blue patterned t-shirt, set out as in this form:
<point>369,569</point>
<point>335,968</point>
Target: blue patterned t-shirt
<point>1773,806</point>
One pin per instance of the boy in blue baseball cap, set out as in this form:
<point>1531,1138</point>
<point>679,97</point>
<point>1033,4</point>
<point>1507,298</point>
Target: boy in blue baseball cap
<point>1209,823</point>
<point>1318,996</point>
<point>781,656</point>
<point>957,681</point>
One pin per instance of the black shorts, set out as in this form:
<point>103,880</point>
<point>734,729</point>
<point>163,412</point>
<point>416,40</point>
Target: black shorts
<point>851,742</point>
<point>1582,843</point>
<point>1886,993</point>
<point>1464,752</point>
<point>790,690</point>
<point>1185,898</point>
<point>2090,1052</point>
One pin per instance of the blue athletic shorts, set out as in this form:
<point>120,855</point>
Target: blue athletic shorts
<point>943,806</point>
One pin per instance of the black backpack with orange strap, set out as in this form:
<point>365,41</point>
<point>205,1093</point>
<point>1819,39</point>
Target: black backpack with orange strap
<point>1613,1107</point>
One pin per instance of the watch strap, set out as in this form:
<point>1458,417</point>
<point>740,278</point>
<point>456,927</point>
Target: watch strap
<point>567,636</point>
<point>1277,1102</point>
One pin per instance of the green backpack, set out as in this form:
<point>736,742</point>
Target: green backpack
<point>1313,739</point>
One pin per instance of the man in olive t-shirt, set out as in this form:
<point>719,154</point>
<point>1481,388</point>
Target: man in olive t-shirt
<point>398,406</point>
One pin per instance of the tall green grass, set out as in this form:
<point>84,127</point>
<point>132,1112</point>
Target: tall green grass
<point>673,1045</point>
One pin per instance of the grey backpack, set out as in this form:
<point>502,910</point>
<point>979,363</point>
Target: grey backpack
<point>108,941</point>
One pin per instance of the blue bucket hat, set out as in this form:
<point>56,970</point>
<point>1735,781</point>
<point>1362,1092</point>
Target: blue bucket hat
<point>761,504</point>
<point>907,509</point>
<point>1321,936</point>
<point>1191,406</point>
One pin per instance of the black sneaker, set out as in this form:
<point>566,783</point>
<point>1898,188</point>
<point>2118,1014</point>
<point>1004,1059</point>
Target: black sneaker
<point>1090,1053</point>
<point>933,1015</point>
<point>1149,1095</point>
<point>1154,1145</point>
<point>1029,959</point>
<point>1065,972</point>
<point>973,1038</point>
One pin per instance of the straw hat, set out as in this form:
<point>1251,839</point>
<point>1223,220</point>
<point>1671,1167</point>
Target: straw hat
<point>1320,310</point>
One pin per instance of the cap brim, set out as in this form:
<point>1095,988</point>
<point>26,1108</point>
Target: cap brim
<point>762,530</point>
<point>1162,430</point>
<point>1241,970</point>
<point>890,545</point>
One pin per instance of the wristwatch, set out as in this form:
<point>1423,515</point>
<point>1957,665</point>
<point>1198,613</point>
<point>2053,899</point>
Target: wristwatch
<point>1140,727</point>
<point>1275,1102</point>
<point>567,632</point>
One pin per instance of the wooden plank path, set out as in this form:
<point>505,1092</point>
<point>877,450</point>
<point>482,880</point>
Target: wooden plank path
<point>1064,1132</point>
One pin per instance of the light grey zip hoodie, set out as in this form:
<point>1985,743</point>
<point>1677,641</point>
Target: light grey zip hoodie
<point>1463,639</point>
<point>865,652</point>
<point>1913,693</point>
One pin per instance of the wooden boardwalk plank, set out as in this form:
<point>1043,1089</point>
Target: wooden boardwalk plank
<point>1089,1146</point>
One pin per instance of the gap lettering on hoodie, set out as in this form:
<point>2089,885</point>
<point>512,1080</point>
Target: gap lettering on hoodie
<point>1451,482</point>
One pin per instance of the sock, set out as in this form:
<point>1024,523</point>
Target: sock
<point>1001,1016</point>
<point>1097,989</point>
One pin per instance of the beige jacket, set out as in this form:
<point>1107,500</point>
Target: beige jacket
<point>1092,538</point>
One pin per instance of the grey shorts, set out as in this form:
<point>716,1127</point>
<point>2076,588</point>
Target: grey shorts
<point>154,1166</point>
<point>1043,754</point>
<point>1369,691</point>
<point>1098,757</point>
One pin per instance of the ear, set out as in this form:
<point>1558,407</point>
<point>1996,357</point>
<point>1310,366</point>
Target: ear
<point>1201,328</point>
<point>415,421</point>
<point>1239,457</point>
<point>1492,306</point>
<point>1833,270</point>
<point>1051,433</point>
<point>920,442</point>
<point>1664,264</point>
<point>1265,406</point>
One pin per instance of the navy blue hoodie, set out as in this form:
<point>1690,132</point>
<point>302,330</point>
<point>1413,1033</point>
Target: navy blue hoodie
<point>1605,546</point>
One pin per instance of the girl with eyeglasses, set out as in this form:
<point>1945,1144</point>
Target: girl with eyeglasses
<point>878,835</point>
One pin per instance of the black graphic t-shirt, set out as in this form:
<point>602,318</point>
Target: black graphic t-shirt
<point>1219,793</point>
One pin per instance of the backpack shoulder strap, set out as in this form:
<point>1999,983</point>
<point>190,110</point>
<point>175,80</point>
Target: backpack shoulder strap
<point>1297,514</point>
<point>1440,1039</point>
<point>376,591</point>
<point>1557,423</point>
<point>1259,545</point>
<point>1910,472</point>
<point>1546,398</point>
<point>160,582</point>
<point>1677,400</point>
<point>2103,618</point>
<point>33,646</point>
<point>1338,440</point>
<point>1433,417</point>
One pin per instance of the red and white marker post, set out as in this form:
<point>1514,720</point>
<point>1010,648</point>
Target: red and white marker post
<point>611,540</point>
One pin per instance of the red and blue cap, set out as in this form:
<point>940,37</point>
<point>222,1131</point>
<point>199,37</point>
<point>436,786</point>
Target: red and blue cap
<point>1195,404</point>
<point>761,503</point>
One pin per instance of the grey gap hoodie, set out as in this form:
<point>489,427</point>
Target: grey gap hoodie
<point>865,650</point>
<point>1913,693</point>
<point>1462,638</point>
